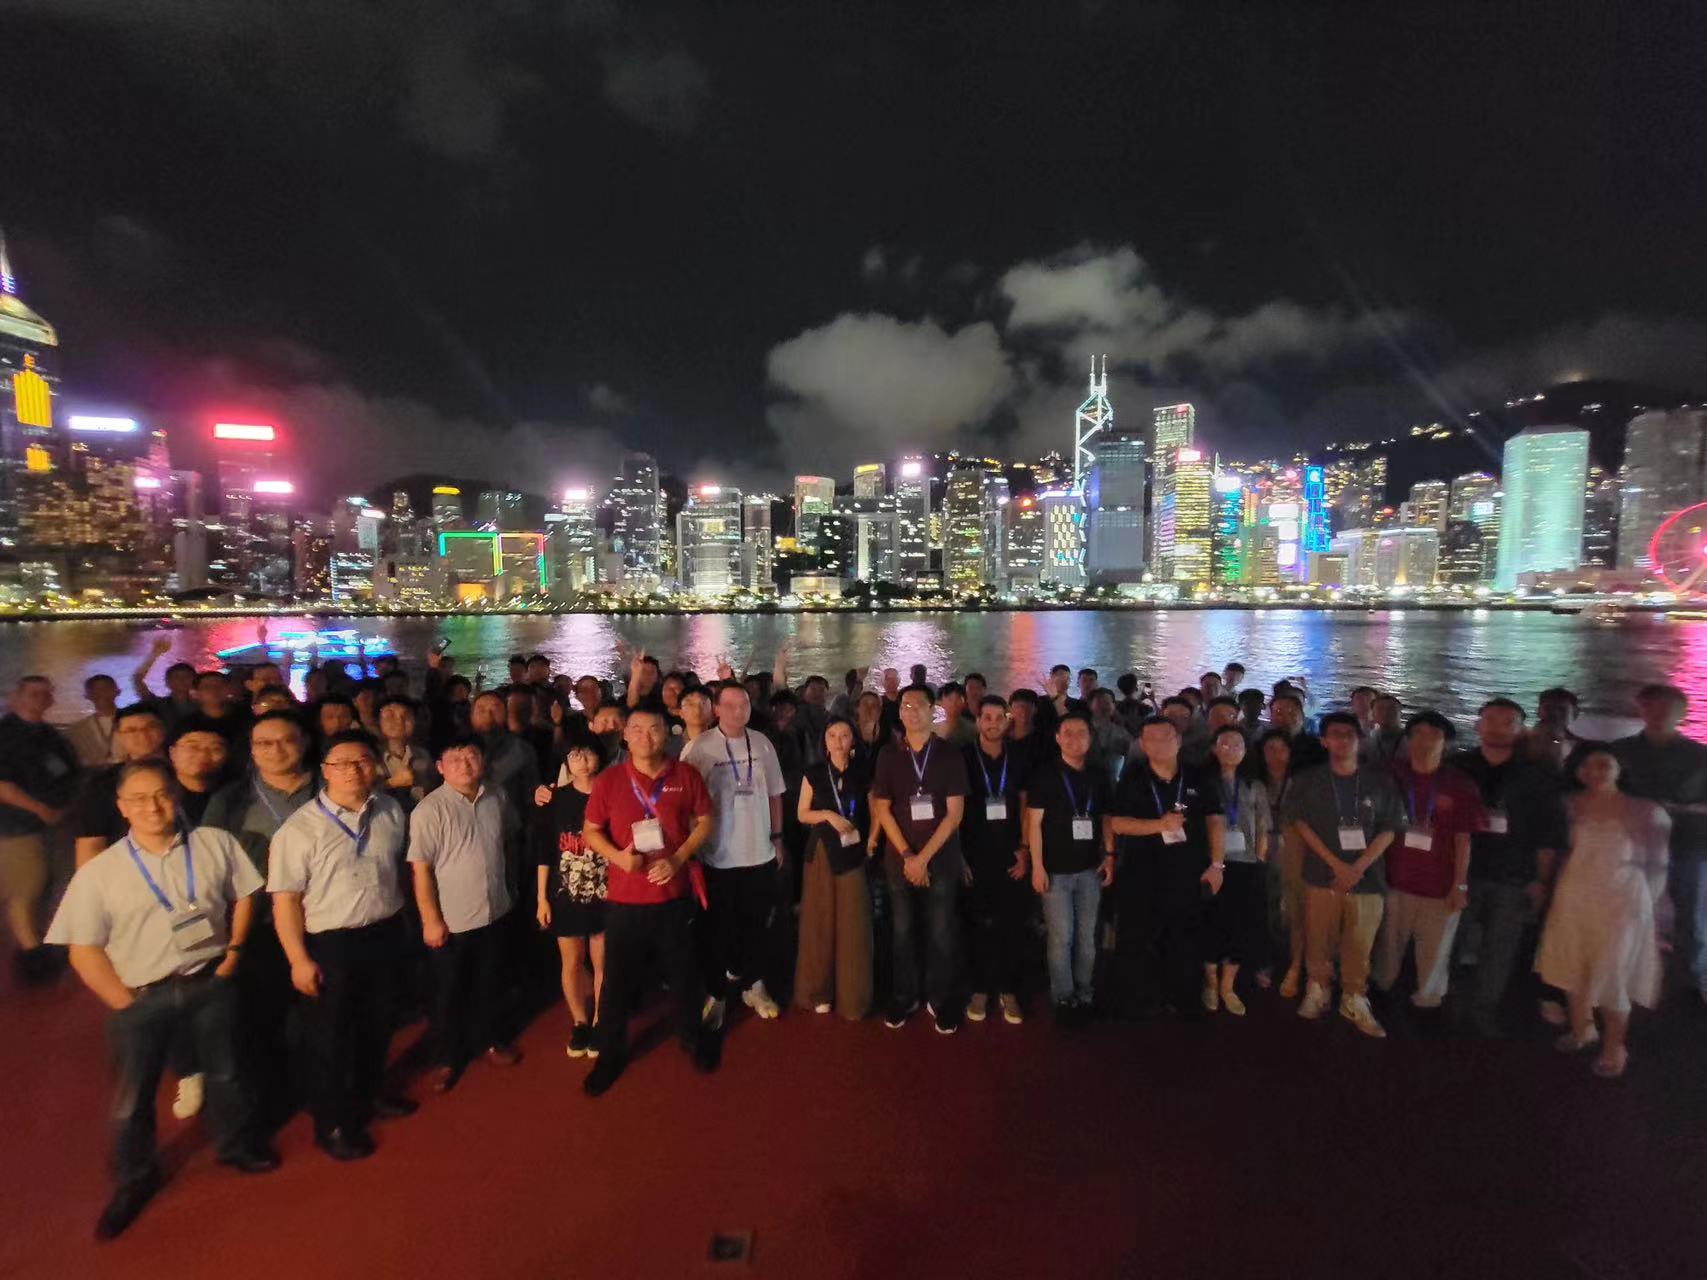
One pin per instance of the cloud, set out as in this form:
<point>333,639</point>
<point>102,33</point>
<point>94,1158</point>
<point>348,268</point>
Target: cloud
<point>872,386</point>
<point>872,263</point>
<point>1667,352</point>
<point>663,89</point>
<point>607,399</point>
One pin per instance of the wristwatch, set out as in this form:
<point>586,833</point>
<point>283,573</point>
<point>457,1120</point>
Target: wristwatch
<point>1462,888</point>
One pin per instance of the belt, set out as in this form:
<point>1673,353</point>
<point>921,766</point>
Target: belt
<point>200,975</point>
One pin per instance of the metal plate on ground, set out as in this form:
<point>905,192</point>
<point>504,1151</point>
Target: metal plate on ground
<point>731,1247</point>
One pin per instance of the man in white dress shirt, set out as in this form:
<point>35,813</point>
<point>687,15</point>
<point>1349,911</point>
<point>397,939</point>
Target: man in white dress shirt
<point>92,736</point>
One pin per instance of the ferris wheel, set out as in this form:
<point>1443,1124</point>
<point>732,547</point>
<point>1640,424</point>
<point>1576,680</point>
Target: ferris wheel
<point>1679,551</point>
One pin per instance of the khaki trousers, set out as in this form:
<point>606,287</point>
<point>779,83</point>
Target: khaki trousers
<point>834,959</point>
<point>1342,925</point>
<point>1428,923</point>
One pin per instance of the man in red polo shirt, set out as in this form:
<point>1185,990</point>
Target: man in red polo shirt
<point>1428,868</point>
<point>647,817</point>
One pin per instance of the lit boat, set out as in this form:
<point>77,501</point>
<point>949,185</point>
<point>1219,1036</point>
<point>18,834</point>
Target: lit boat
<point>298,648</point>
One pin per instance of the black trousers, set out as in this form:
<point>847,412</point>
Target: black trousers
<point>637,935</point>
<point>200,1011</point>
<point>998,907</point>
<point>734,930</point>
<point>468,992</point>
<point>1162,937</point>
<point>1238,916</point>
<point>347,1029</point>
<point>265,998</point>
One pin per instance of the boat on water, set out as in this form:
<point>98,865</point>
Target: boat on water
<point>300,648</point>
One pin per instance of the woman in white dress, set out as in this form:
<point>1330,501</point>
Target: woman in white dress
<point>1598,945</point>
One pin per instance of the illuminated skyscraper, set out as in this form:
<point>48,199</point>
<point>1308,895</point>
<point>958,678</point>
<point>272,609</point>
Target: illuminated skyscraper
<point>1094,419</point>
<point>1064,537</point>
<point>877,550</point>
<point>26,397</point>
<point>1600,519</point>
<point>447,507</point>
<point>1665,470</point>
<point>870,480</point>
<point>1114,509</point>
<point>1023,538</point>
<point>637,534</point>
<point>1172,427</point>
<point>1463,555</point>
<point>1541,526</point>
<point>758,551</point>
<point>963,512</point>
<point>708,541</point>
<point>1190,484</point>
<point>913,506</point>
<point>1227,529</point>
<point>1315,534</point>
<point>573,543</point>
<point>1429,504</point>
<point>814,496</point>
<point>1363,493</point>
<point>1469,491</point>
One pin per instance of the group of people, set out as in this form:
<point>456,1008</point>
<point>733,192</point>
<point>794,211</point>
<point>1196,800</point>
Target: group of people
<point>267,886</point>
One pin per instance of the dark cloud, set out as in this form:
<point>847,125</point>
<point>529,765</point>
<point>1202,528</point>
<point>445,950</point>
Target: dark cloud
<point>664,89</point>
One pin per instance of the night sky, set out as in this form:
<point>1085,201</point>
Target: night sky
<point>507,239</point>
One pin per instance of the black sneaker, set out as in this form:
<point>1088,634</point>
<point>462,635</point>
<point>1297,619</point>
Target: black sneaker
<point>257,1157</point>
<point>603,1075</point>
<point>898,1014</point>
<point>579,1039</point>
<point>1066,1014</point>
<point>947,1021</point>
<point>127,1203</point>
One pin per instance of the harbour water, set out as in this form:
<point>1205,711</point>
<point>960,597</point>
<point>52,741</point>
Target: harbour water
<point>1450,660</point>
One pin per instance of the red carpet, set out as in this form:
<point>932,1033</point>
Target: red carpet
<point>1266,1147</point>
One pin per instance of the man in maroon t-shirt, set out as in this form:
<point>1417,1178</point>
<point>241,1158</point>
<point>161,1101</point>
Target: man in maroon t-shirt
<point>647,817</point>
<point>1428,870</point>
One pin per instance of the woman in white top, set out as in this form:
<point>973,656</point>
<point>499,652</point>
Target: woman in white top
<point>1598,944</point>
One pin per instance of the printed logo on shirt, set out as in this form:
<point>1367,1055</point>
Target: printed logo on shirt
<point>570,842</point>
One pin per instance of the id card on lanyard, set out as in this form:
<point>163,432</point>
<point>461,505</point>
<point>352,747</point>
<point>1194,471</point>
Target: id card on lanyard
<point>191,929</point>
<point>743,787</point>
<point>1420,833</point>
<point>923,807</point>
<point>1171,837</point>
<point>364,871</point>
<point>1352,839</point>
<point>1084,829</point>
<point>849,838</point>
<point>995,793</point>
<point>1234,839</point>
<point>648,833</point>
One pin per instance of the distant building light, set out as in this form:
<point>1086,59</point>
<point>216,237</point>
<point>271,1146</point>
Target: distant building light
<point>243,431</point>
<point>447,491</point>
<point>274,486</point>
<point>147,482</point>
<point>1228,484</point>
<point>85,422</point>
<point>577,493</point>
<point>911,469</point>
<point>1191,455</point>
<point>710,490</point>
<point>370,513</point>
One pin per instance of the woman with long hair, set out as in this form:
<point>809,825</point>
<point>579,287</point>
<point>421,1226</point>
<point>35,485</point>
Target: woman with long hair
<point>834,961</point>
<point>1238,915</point>
<point>1273,767</point>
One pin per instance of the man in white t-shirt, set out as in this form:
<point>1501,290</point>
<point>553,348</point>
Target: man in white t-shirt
<point>741,860</point>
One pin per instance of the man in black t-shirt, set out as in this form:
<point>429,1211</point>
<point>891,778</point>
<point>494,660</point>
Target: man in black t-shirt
<point>994,840</point>
<point>1067,805</point>
<point>1170,865</point>
<point>38,770</point>
<point>96,823</point>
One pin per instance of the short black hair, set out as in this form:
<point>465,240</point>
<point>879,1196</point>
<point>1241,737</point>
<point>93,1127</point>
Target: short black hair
<point>1023,695</point>
<point>809,682</point>
<point>1287,694</point>
<point>1208,675</point>
<point>180,666</point>
<point>978,676</point>
<point>1060,666</point>
<point>288,717</point>
<point>1558,693</point>
<point>461,741</point>
<point>1225,700</point>
<point>1670,692</point>
<point>335,700</point>
<point>1371,690</point>
<point>398,700</point>
<point>1339,717</point>
<point>1246,695</point>
<point>457,681</point>
<point>518,657</point>
<point>992,700</point>
<point>1087,671</point>
<point>1127,683</point>
<point>953,686</point>
<point>1503,704</point>
<point>538,657</point>
<point>1235,666</point>
<point>197,724</point>
<point>1177,701</point>
<point>917,687</point>
<point>202,677</point>
<point>1434,719</point>
<point>784,698</point>
<point>1073,715</point>
<point>356,737</point>
<point>136,709</point>
<point>1149,721</point>
<point>95,679</point>
<point>1227,728</point>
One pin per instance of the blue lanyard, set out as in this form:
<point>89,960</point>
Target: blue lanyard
<point>649,805</point>
<point>920,765</point>
<point>1179,793</point>
<point>731,753</point>
<point>1232,803</point>
<point>359,838</point>
<point>1356,800</point>
<point>1090,797</point>
<point>836,791</point>
<point>1433,794</point>
<point>989,789</point>
<point>156,890</point>
<point>261,795</point>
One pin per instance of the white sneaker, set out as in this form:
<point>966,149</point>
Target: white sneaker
<point>189,1099</point>
<point>711,1016</point>
<point>820,1008</point>
<point>1315,1002</point>
<point>1355,1010</point>
<point>759,1000</point>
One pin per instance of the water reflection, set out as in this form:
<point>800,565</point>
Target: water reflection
<point>1454,660</point>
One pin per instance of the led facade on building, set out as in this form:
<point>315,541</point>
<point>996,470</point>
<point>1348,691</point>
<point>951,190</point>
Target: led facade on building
<point>1541,526</point>
<point>1665,470</point>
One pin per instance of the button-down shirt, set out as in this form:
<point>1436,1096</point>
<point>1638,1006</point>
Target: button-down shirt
<point>314,856</point>
<point>253,812</point>
<point>109,905</point>
<point>743,836</point>
<point>93,740</point>
<point>463,841</point>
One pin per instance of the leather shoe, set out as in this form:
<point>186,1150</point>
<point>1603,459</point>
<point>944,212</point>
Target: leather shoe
<point>258,1158</point>
<point>343,1144</point>
<point>502,1055</point>
<point>603,1075</point>
<point>126,1204</point>
<point>395,1108</point>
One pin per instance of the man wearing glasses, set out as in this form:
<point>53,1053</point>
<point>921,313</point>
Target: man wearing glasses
<point>334,876</point>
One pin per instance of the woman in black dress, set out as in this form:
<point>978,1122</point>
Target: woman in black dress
<point>572,892</point>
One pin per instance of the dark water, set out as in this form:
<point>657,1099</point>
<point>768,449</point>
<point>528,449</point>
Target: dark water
<point>1449,660</point>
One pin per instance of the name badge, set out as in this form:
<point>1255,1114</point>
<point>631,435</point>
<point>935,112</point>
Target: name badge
<point>1352,839</point>
<point>364,873</point>
<point>1498,823</point>
<point>923,809</point>
<point>1174,837</point>
<point>996,808</point>
<point>1235,841</point>
<point>648,836</point>
<point>849,839</point>
<point>192,931</point>
<point>743,788</point>
<point>1419,838</point>
<point>1083,829</point>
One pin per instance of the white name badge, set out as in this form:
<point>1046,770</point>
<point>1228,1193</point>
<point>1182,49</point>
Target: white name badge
<point>1235,841</point>
<point>996,809</point>
<point>192,931</point>
<point>364,873</point>
<point>1419,838</point>
<point>743,788</point>
<point>1352,839</point>
<point>923,809</point>
<point>1083,829</point>
<point>1498,824</point>
<point>1174,837</point>
<point>849,839</point>
<point>648,836</point>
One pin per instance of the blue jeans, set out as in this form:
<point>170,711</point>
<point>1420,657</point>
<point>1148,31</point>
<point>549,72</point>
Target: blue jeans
<point>939,904</point>
<point>1688,888</point>
<point>1070,915</point>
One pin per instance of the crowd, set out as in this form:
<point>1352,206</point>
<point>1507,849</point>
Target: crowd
<point>267,888</point>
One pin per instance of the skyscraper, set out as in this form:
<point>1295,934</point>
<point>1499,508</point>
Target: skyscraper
<point>1094,418</point>
<point>1469,491</point>
<point>501,509</point>
<point>1429,504</point>
<point>1190,482</point>
<point>637,533</point>
<point>870,480</point>
<point>1172,427</point>
<point>1023,537</point>
<point>1600,519</point>
<point>1064,537</point>
<point>912,505</point>
<point>1364,491</point>
<point>1315,536</point>
<point>708,541</point>
<point>1665,470</point>
<point>26,395</point>
<point>447,507</point>
<point>758,552</point>
<point>573,545</point>
<point>877,548</point>
<point>814,496</point>
<point>1227,529</point>
<point>1114,509</point>
<point>963,542</point>
<point>1541,526</point>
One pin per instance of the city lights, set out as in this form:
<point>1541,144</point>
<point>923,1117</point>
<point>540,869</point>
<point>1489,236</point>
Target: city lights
<point>243,431</point>
<point>147,482</point>
<point>274,486</point>
<point>88,422</point>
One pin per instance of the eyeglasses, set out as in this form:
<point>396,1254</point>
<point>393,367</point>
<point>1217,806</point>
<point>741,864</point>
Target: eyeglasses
<point>357,765</point>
